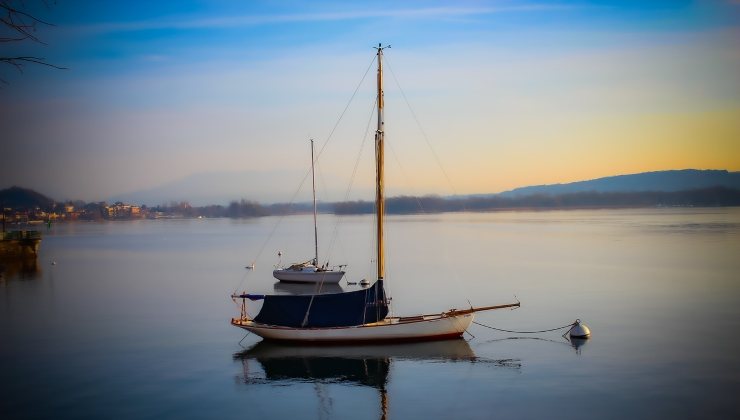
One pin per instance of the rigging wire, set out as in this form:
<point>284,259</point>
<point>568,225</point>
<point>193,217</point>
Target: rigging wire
<point>274,227</point>
<point>303,181</point>
<point>431,148</point>
<point>244,277</point>
<point>335,233</point>
<point>357,161</point>
<point>424,134</point>
<point>405,175</point>
<point>326,142</point>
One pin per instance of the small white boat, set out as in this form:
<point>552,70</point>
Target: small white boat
<point>310,271</point>
<point>307,272</point>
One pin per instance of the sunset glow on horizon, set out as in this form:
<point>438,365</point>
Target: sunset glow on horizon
<point>508,94</point>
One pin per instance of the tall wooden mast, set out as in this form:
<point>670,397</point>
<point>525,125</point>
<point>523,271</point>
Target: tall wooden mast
<point>379,198</point>
<point>315,229</point>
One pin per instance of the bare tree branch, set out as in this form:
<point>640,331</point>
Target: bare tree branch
<point>19,21</point>
<point>24,25</point>
<point>11,39</point>
<point>13,11</point>
<point>18,62</point>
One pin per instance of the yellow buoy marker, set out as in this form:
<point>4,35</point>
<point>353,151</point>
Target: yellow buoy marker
<point>579,330</point>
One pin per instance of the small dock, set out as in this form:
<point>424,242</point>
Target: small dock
<point>20,243</point>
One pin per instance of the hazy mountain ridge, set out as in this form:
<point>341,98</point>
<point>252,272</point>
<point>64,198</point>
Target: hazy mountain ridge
<point>215,188</point>
<point>657,181</point>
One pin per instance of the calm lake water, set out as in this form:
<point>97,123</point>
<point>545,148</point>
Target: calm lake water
<point>133,319</point>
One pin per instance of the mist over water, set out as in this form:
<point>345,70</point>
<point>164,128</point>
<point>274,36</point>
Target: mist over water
<point>133,319</point>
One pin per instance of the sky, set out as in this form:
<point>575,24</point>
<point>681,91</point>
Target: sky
<point>481,96</point>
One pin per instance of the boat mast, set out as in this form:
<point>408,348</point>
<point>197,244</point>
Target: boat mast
<point>315,230</point>
<point>379,136</point>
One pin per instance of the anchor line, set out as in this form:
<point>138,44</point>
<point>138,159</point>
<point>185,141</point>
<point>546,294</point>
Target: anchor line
<point>245,336</point>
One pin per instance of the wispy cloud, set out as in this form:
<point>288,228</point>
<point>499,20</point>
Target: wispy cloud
<point>256,20</point>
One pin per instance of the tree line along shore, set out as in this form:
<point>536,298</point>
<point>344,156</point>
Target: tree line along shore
<point>28,206</point>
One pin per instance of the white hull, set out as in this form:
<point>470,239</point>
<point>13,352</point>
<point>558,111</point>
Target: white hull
<point>308,276</point>
<point>421,328</point>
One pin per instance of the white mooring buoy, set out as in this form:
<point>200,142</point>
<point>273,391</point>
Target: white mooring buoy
<point>579,330</point>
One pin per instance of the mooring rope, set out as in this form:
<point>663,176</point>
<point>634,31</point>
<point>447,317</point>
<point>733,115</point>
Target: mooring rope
<point>571,325</point>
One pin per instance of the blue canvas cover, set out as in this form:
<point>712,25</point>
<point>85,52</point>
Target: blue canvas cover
<point>326,310</point>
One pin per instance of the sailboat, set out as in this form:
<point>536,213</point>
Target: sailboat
<point>359,316</point>
<point>310,271</point>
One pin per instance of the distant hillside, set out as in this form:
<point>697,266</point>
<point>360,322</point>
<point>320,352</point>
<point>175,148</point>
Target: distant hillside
<point>206,188</point>
<point>23,198</point>
<point>660,181</point>
<point>687,187</point>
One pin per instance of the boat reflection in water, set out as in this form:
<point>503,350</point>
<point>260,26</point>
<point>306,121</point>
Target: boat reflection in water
<point>19,267</point>
<point>283,288</point>
<point>19,250</point>
<point>577,343</point>
<point>369,365</point>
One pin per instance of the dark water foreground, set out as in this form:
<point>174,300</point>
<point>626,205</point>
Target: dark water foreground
<point>132,320</point>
